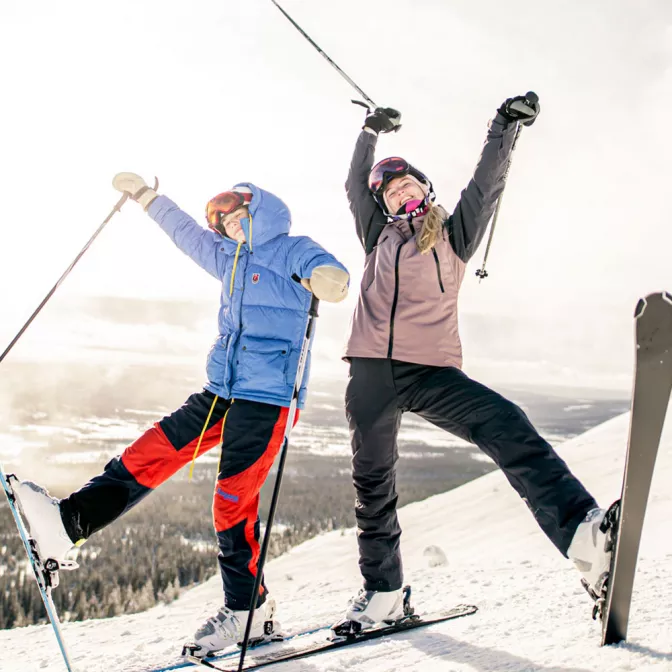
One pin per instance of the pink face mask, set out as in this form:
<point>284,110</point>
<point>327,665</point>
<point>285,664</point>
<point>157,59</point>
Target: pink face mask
<point>410,209</point>
<point>411,205</point>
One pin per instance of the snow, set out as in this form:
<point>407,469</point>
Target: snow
<point>533,614</point>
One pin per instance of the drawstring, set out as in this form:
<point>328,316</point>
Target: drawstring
<point>235,264</point>
<point>235,261</point>
<point>221,436</point>
<point>205,427</point>
<point>214,401</point>
<point>200,438</point>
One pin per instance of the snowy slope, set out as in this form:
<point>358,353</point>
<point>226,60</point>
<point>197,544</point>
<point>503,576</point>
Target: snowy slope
<point>533,613</point>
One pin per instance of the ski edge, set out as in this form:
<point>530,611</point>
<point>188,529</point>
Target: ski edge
<point>613,632</point>
<point>45,591</point>
<point>219,657</point>
<point>434,618</point>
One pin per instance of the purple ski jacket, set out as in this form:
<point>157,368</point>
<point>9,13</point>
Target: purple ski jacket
<point>407,306</point>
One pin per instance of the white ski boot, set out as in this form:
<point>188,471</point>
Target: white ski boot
<point>591,550</point>
<point>42,513</point>
<point>371,607</point>
<point>228,628</point>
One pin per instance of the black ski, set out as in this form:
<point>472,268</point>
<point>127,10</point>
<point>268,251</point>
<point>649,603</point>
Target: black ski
<point>650,399</point>
<point>299,651</point>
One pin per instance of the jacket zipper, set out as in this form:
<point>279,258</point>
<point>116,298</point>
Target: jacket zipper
<point>436,259</point>
<point>438,269</point>
<point>374,251</point>
<point>394,301</point>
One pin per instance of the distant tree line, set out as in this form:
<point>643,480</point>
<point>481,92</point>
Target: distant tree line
<point>167,543</point>
<point>147,557</point>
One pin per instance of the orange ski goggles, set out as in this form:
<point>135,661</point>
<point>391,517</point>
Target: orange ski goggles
<point>224,204</point>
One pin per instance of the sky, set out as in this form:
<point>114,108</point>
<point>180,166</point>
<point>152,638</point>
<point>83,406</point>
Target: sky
<point>205,94</point>
<point>533,615</point>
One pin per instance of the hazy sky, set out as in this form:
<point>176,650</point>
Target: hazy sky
<point>205,94</point>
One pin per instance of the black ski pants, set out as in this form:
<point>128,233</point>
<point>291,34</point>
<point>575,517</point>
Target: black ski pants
<point>379,391</point>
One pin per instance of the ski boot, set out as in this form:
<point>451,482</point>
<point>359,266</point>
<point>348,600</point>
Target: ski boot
<point>591,551</point>
<point>228,628</point>
<point>48,540</point>
<point>371,607</point>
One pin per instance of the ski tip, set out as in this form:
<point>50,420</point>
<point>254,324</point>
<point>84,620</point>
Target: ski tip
<point>467,608</point>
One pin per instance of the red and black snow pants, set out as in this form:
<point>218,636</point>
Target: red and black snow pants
<point>252,435</point>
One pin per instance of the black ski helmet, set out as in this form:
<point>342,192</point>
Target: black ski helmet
<point>389,169</point>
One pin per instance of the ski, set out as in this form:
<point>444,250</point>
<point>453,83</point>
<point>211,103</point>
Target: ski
<point>46,576</point>
<point>650,399</point>
<point>235,653</point>
<point>297,652</point>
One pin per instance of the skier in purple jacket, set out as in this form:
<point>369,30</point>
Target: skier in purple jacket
<point>405,355</point>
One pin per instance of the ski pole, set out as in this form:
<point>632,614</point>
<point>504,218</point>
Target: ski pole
<point>310,326</point>
<point>51,292</point>
<point>481,272</point>
<point>347,79</point>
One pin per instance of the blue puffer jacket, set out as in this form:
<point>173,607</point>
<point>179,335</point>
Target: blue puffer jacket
<point>264,308</point>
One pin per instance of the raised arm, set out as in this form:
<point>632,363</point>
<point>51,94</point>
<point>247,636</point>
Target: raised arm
<point>369,218</point>
<point>469,221</point>
<point>199,244</point>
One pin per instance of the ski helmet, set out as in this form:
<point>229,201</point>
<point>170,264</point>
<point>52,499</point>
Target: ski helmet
<point>391,168</point>
<point>224,204</point>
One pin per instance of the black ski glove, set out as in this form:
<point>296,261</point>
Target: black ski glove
<point>383,120</point>
<point>524,109</point>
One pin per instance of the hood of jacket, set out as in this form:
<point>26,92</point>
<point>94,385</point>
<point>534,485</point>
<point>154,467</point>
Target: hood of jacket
<point>269,217</point>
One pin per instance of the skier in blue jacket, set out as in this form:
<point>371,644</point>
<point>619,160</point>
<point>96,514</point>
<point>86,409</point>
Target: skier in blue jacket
<point>267,279</point>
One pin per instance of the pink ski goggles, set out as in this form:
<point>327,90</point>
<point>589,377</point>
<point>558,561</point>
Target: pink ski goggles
<point>387,170</point>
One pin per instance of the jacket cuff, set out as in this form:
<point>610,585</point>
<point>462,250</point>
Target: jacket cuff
<point>368,137</point>
<point>500,122</point>
<point>500,126</point>
<point>159,205</point>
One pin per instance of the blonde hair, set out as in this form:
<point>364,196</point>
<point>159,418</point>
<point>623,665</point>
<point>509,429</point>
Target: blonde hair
<point>431,229</point>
